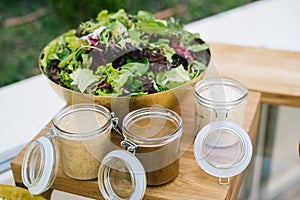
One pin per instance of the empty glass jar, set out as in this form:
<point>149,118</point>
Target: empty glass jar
<point>219,99</point>
<point>222,147</point>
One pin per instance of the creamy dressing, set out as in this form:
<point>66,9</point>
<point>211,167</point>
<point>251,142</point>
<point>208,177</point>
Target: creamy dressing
<point>82,121</point>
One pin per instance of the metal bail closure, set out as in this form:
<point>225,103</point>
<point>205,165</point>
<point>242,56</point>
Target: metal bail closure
<point>121,176</point>
<point>129,146</point>
<point>217,115</point>
<point>223,149</point>
<point>50,133</point>
<point>39,167</point>
<point>115,121</point>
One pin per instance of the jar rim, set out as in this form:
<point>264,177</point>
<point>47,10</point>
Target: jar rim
<point>204,84</point>
<point>245,148</point>
<point>152,111</point>
<point>81,107</point>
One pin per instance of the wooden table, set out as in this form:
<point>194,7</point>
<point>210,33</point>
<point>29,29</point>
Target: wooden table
<point>273,73</point>
<point>191,183</point>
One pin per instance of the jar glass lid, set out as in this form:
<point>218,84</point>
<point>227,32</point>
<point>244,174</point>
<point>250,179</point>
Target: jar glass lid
<point>39,166</point>
<point>121,176</point>
<point>223,149</point>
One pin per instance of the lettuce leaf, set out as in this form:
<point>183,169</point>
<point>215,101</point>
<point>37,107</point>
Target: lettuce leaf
<point>129,76</point>
<point>173,78</point>
<point>83,78</point>
<point>198,47</point>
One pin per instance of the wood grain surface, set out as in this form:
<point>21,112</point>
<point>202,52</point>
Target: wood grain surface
<point>191,183</point>
<point>274,73</point>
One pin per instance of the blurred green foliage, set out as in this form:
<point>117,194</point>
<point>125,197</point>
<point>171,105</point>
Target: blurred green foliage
<point>20,45</point>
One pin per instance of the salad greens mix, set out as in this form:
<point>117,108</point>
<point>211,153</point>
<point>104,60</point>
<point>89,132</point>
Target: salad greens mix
<point>119,54</point>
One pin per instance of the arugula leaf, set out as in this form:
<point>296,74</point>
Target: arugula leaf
<point>83,78</point>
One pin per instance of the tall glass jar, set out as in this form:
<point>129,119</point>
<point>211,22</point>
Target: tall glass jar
<point>219,99</point>
<point>222,147</point>
<point>156,133</point>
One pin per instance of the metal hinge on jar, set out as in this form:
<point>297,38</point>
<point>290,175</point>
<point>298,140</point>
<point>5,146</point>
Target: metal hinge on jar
<point>115,121</point>
<point>129,146</point>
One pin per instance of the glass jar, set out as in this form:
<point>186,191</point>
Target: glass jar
<point>152,140</point>
<point>219,99</point>
<point>222,147</point>
<point>83,135</point>
<point>156,133</point>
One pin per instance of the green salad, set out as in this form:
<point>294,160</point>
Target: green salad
<point>119,54</point>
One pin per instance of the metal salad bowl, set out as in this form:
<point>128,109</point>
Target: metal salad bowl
<point>110,56</point>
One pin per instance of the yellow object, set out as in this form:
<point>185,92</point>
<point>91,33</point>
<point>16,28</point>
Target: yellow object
<point>8,192</point>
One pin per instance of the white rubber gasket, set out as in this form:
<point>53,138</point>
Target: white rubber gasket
<point>222,172</point>
<point>38,186</point>
<point>135,168</point>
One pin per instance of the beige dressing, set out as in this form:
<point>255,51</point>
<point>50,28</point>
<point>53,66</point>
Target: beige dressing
<point>82,122</point>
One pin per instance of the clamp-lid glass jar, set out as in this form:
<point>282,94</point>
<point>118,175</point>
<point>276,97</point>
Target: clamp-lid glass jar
<point>219,99</point>
<point>156,132</point>
<point>222,147</point>
<point>152,140</point>
<point>83,135</point>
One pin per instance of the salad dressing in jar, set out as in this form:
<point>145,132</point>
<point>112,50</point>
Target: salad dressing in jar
<point>152,140</point>
<point>83,135</point>
<point>84,132</point>
<point>161,161</point>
